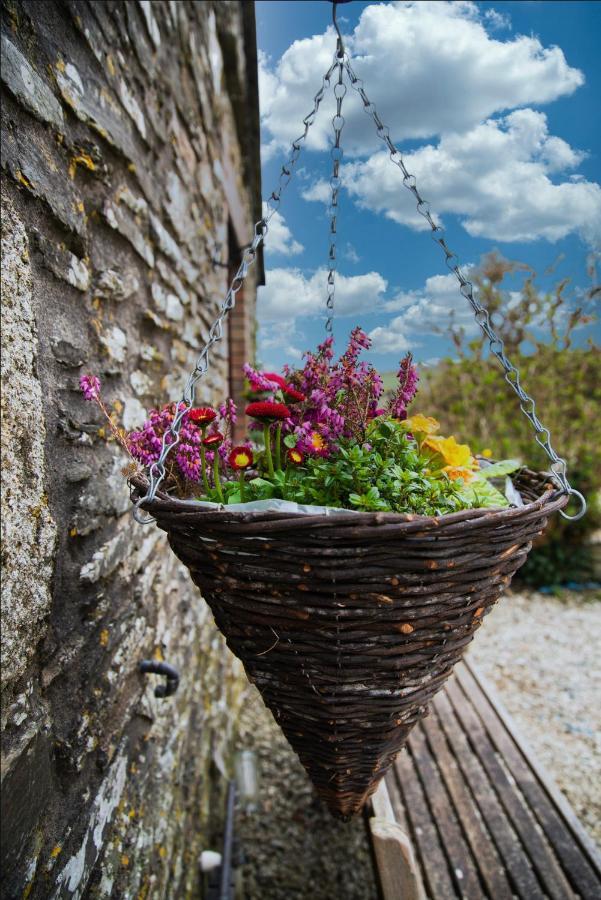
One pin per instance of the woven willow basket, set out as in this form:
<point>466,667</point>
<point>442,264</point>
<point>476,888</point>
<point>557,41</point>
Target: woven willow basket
<point>349,624</point>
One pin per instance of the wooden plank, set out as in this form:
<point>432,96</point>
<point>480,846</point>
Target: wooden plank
<point>381,805</point>
<point>515,861</point>
<point>396,800</point>
<point>383,811</point>
<point>582,836</point>
<point>483,850</point>
<point>461,863</point>
<point>578,855</point>
<point>423,832</point>
<point>395,861</point>
<point>543,859</point>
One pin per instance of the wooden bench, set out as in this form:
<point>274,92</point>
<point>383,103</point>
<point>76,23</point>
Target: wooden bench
<point>466,811</point>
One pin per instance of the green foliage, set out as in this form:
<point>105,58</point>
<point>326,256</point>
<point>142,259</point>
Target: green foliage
<point>470,397</point>
<point>387,473</point>
<point>506,467</point>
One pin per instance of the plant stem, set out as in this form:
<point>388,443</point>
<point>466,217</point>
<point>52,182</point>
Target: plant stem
<point>203,462</point>
<point>242,487</point>
<point>268,456</point>
<point>278,448</point>
<point>216,476</point>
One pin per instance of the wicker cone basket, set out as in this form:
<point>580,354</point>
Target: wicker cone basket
<point>349,624</point>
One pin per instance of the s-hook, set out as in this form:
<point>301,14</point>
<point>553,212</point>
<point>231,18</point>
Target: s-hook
<point>340,42</point>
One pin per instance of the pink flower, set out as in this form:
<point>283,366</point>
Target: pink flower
<point>228,411</point>
<point>262,381</point>
<point>90,387</point>
<point>407,389</point>
<point>202,415</point>
<point>213,440</point>
<point>267,411</point>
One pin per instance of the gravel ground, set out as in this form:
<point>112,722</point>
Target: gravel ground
<point>543,655</point>
<point>294,848</point>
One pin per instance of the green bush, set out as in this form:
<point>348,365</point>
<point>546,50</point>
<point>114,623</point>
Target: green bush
<point>472,400</point>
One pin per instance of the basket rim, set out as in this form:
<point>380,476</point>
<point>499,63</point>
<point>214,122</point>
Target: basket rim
<point>552,499</point>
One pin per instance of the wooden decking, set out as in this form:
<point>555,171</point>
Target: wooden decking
<point>483,819</point>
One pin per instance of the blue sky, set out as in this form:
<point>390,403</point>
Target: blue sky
<point>495,107</point>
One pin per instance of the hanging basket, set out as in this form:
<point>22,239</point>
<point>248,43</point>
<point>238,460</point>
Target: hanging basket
<point>349,623</point>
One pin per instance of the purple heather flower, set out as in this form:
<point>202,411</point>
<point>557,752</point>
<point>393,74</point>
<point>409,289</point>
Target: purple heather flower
<point>228,411</point>
<point>258,381</point>
<point>407,389</point>
<point>188,460</point>
<point>90,387</point>
<point>145,445</point>
<point>341,396</point>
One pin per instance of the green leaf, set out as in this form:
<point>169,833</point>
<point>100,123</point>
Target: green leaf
<point>261,488</point>
<point>482,494</point>
<point>290,440</point>
<point>504,467</point>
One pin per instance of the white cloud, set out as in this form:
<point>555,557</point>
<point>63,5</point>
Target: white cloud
<point>280,336</point>
<point>351,254</point>
<point>498,178</point>
<point>433,69</point>
<point>424,311</point>
<point>430,66</point>
<point>279,237</point>
<point>496,20</point>
<point>390,340</point>
<point>289,294</point>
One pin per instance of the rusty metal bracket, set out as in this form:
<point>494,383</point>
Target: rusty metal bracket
<point>153,666</point>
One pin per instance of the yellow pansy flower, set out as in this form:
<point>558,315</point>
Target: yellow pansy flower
<point>434,441</point>
<point>421,424</point>
<point>454,454</point>
<point>455,472</point>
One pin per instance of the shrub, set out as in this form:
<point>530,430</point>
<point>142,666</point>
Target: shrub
<point>470,396</point>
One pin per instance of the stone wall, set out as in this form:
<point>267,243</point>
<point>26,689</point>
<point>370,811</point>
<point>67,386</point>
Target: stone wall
<point>130,164</point>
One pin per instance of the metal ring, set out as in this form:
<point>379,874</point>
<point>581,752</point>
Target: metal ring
<point>574,493</point>
<point>138,516</point>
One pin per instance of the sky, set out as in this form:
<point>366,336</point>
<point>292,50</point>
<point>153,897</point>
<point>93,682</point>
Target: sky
<point>494,107</point>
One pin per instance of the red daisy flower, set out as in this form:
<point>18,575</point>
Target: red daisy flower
<point>240,458</point>
<point>213,440</point>
<point>295,457</point>
<point>292,395</point>
<point>267,411</point>
<point>277,379</point>
<point>202,415</point>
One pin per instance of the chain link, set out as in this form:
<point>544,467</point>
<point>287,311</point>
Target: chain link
<point>287,170</point>
<point>496,344</point>
<point>336,153</point>
<point>157,470</point>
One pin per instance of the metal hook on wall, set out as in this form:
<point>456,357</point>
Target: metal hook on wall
<point>148,666</point>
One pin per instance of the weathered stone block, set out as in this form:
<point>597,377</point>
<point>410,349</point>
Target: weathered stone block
<point>110,208</point>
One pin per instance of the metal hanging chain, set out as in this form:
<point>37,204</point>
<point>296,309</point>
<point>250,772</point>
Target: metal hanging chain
<point>157,470</point>
<point>496,344</point>
<point>336,153</point>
